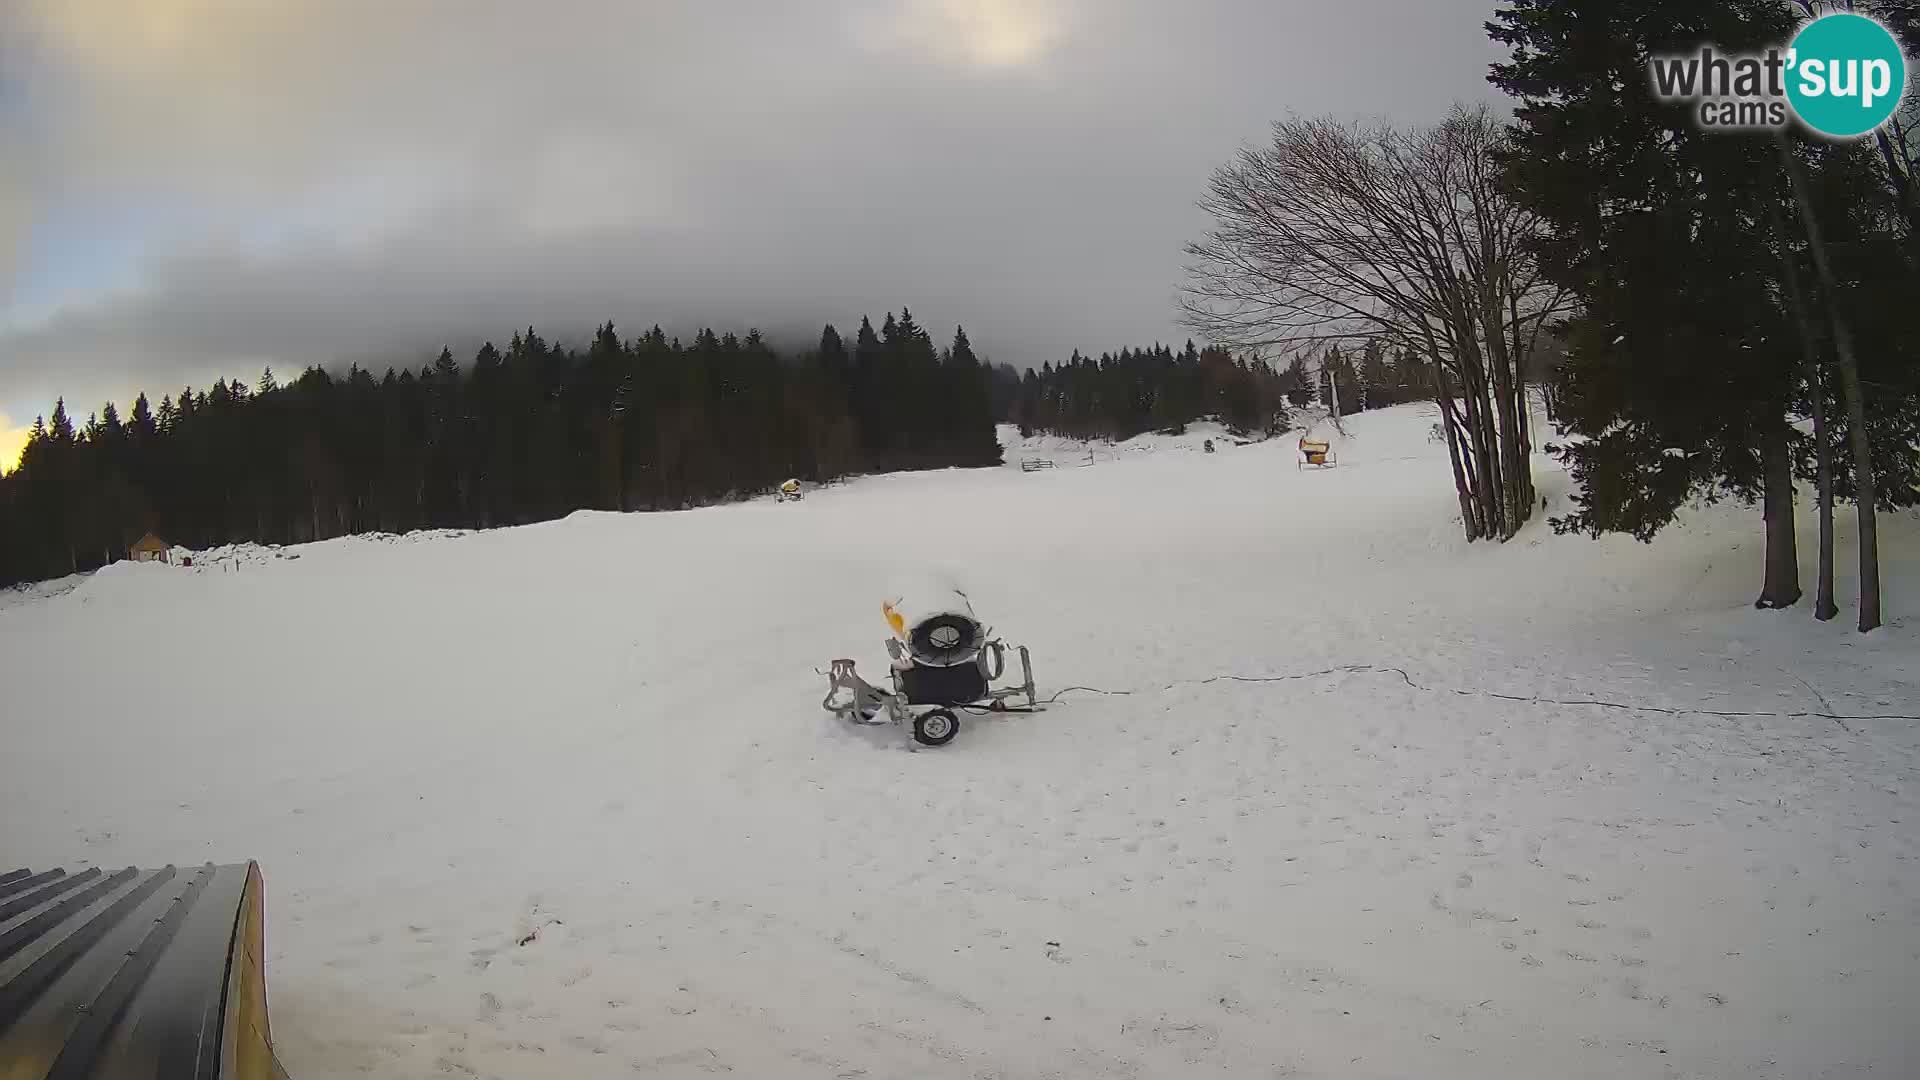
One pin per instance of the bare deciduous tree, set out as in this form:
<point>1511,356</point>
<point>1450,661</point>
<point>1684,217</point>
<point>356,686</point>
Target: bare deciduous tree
<point>1341,232</point>
<point>1898,140</point>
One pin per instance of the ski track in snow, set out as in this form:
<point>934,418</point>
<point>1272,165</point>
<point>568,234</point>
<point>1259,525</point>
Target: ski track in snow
<point>559,800</point>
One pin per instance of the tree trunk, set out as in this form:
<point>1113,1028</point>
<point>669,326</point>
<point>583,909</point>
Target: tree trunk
<point>1864,499</point>
<point>1485,471</point>
<point>1824,607</point>
<point>1469,521</point>
<point>1482,428</point>
<point>1516,489</point>
<point>1782,586</point>
<point>1472,518</point>
<point>1513,446</point>
<point>1523,445</point>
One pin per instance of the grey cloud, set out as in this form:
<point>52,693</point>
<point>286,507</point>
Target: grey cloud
<point>454,171</point>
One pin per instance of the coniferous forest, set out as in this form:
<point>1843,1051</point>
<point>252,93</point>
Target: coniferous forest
<point>529,432</point>
<point>1123,394</point>
<point>538,430</point>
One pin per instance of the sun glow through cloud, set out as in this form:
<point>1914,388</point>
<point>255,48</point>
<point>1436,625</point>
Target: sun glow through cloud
<point>13,439</point>
<point>983,33</point>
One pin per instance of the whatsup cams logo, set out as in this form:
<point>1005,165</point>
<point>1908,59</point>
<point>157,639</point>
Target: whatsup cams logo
<point>1842,75</point>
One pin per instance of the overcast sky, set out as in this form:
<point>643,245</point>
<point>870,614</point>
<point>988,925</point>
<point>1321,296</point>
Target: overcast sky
<point>191,188</point>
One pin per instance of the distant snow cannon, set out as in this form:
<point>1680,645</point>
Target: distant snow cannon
<point>1317,453</point>
<point>944,658</point>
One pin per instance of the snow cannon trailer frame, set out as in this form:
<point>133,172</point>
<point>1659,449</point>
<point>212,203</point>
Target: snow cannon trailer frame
<point>135,973</point>
<point>943,664</point>
<point>925,698</point>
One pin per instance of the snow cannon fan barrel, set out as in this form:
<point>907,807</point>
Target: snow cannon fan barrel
<point>943,634</point>
<point>943,658</point>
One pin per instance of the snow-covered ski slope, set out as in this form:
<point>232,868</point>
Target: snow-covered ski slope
<point>560,801</point>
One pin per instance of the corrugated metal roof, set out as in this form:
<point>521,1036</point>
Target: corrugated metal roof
<point>120,974</point>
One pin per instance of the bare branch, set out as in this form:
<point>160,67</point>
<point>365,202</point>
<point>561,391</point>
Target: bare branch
<point>1341,231</point>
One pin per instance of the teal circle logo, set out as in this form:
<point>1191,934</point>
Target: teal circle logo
<point>1845,75</point>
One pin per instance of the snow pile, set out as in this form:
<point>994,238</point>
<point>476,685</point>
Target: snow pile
<point>228,557</point>
<point>560,801</point>
<point>241,556</point>
<point>28,592</point>
<point>1065,452</point>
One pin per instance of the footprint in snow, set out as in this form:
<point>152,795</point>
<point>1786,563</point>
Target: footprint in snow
<point>588,1043</point>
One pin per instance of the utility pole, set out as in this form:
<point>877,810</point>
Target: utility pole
<point>1333,395</point>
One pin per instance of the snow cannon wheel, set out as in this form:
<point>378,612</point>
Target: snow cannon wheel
<point>936,727</point>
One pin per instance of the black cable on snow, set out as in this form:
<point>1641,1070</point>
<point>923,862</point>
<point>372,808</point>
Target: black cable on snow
<point>1522,699</point>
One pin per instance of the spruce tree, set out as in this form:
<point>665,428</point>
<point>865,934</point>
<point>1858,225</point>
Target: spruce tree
<point>1376,381</point>
<point>1681,369</point>
<point>142,422</point>
<point>831,353</point>
<point>872,387</point>
<point>1299,383</point>
<point>969,406</point>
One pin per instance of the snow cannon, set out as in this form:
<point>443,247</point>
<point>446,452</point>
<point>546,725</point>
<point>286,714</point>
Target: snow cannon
<point>1317,453</point>
<point>944,660</point>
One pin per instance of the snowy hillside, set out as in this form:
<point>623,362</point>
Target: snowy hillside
<point>560,800</point>
<point>1065,452</point>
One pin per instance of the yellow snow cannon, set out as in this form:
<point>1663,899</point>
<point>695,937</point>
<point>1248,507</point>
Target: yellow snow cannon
<point>1317,453</point>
